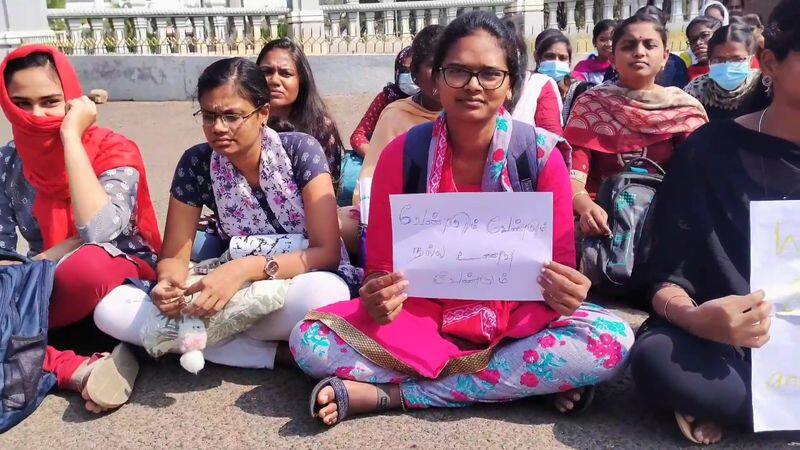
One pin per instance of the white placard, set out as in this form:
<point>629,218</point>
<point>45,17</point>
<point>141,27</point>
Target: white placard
<point>775,267</point>
<point>473,246</point>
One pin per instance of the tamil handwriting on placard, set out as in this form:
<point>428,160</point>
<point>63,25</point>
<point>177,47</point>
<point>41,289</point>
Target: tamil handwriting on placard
<point>472,246</point>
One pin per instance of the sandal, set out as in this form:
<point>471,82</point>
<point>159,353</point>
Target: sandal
<point>108,380</point>
<point>686,427</point>
<point>587,397</point>
<point>342,399</point>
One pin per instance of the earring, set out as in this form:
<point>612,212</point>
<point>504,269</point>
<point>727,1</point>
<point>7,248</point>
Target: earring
<point>767,82</point>
<point>435,92</point>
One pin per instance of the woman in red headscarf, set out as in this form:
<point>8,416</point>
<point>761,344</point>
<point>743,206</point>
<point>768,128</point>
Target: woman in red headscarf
<point>78,194</point>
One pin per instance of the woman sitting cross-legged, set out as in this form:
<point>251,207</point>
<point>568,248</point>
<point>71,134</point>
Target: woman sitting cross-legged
<point>78,194</point>
<point>388,350</point>
<point>693,355</point>
<point>260,184</point>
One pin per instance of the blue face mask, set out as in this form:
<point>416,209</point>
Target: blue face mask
<point>556,70</point>
<point>406,84</point>
<point>729,75</point>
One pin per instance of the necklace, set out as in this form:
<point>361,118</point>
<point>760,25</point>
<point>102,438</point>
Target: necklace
<point>761,119</point>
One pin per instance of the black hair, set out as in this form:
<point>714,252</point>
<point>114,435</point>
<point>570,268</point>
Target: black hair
<point>467,24</point>
<point>243,73</point>
<point>308,114</point>
<point>735,32</point>
<point>424,46</point>
<point>653,11</point>
<point>601,27</point>
<point>718,7</point>
<point>782,33</point>
<point>549,40</point>
<point>35,59</point>
<point>752,20</point>
<point>637,18</point>
<point>710,22</point>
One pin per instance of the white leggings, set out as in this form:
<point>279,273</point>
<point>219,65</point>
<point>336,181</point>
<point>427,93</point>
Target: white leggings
<point>125,310</point>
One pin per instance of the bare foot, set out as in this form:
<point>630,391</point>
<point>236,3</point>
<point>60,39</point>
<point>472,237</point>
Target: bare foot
<point>363,398</point>
<point>704,431</point>
<point>566,401</point>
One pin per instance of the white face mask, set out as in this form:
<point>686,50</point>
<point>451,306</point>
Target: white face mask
<point>406,84</point>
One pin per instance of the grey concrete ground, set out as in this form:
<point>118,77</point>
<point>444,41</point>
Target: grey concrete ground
<point>236,408</point>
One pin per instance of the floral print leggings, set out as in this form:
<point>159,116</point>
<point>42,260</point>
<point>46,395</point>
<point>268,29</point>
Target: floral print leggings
<point>586,348</point>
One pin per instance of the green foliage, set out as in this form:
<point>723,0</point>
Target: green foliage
<point>56,4</point>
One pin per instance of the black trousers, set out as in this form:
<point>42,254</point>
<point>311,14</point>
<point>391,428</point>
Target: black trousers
<point>680,372</point>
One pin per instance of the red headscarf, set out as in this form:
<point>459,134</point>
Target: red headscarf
<point>38,144</point>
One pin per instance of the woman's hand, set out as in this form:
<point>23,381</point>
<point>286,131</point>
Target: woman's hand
<point>564,288</point>
<point>81,114</point>
<point>740,320</point>
<point>216,289</point>
<point>383,297</point>
<point>593,218</point>
<point>168,296</point>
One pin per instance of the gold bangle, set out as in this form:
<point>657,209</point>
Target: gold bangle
<point>583,192</point>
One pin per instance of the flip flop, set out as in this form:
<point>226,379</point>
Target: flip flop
<point>686,427</point>
<point>342,399</point>
<point>111,379</point>
<point>587,397</point>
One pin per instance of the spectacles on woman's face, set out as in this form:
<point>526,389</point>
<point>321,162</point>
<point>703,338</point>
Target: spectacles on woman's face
<point>703,37</point>
<point>458,77</point>
<point>735,60</point>
<point>231,121</point>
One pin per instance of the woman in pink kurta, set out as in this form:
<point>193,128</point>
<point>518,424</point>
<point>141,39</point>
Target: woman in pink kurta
<point>388,350</point>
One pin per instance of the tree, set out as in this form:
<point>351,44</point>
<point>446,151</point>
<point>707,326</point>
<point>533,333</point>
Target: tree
<point>56,4</point>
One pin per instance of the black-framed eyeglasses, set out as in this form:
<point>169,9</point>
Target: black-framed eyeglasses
<point>458,77</point>
<point>230,120</point>
<point>702,37</point>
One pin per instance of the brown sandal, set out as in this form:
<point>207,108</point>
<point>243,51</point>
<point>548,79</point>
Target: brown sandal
<point>108,381</point>
<point>686,427</point>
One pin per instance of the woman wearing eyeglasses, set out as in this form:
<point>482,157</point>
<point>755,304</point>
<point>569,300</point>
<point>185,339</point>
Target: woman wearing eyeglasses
<point>732,88</point>
<point>388,350</point>
<point>698,33</point>
<point>259,183</point>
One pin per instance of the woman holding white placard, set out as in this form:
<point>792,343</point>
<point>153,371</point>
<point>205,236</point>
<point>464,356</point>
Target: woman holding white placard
<point>389,350</point>
<point>692,356</point>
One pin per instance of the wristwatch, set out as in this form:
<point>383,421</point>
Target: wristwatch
<point>271,268</point>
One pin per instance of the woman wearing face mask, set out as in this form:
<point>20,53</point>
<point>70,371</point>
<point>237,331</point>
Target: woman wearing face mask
<point>632,117</point>
<point>698,33</point>
<point>295,102</point>
<point>387,350</point>
<point>692,356</point>
<point>401,115</point>
<point>594,68</point>
<point>258,183</point>
<point>540,101</point>
<point>731,88</point>
<point>402,87</point>
<point>78,194</point>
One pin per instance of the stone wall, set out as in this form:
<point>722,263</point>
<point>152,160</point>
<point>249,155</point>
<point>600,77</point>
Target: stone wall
<point>161,78</point>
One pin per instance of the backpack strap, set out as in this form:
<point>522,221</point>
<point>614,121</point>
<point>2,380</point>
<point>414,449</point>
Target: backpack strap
<point>523,164</point>
<point>415,158</point>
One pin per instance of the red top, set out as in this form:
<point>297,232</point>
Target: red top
<point>553,178</point>
<point>600,165</point>
<point>363,132</point>
<point>548,111</point>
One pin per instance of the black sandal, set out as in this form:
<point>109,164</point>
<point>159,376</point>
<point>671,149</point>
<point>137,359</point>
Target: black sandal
<point>342,398</point>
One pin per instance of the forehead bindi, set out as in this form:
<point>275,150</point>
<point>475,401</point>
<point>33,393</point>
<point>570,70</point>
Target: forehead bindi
<point>477,51</point>
<point>641,32</point>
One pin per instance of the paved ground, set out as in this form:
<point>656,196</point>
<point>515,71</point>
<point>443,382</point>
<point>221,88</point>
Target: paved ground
<point>235,408</point>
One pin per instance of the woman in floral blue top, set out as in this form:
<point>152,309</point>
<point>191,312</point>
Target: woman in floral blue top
<point>258,183</point>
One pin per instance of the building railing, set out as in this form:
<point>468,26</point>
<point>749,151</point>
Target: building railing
<point>352,27</point>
